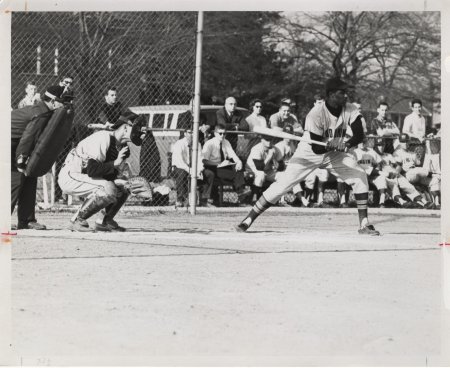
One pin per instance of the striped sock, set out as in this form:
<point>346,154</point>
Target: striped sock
<point>361,204</point>
<point>260,206</point>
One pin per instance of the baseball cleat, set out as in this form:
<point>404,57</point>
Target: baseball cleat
<point>242,227</point>
<point>79,226</point>
<point>33,225</point>
<point>368,230</point>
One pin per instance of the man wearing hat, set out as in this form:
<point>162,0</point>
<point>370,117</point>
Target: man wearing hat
<point>91,170</point>
<point>328,123</point>
<point>27,124</point>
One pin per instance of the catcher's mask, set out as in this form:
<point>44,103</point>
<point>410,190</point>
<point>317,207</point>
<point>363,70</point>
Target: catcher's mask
<point>137,135</point>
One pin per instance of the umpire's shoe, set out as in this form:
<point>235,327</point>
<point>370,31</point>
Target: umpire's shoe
<point>108,225</point>
<point>368,230</point>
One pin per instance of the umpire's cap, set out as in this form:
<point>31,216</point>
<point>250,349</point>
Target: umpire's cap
<point>125,118</point>
<point>335,84</point>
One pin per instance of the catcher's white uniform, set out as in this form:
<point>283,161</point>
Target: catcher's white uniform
<point>321,122</point>
<point>73,178</point>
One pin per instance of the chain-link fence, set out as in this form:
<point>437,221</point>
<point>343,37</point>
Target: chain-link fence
<point>148,57</point>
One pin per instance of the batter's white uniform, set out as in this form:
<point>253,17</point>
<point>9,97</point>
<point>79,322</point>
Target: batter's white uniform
<point>72,178</point>
<point>321,122</point>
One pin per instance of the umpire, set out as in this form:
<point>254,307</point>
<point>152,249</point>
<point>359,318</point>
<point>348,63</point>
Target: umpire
<point>26,125</point>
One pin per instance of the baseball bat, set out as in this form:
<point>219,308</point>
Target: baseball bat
<point>278,134</point>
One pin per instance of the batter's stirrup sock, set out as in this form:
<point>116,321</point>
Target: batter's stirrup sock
<point>361,204</point>
<point>260,206</point>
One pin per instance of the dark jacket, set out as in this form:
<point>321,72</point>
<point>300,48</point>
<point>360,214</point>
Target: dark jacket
<point>27,125</point>
<point>233,122</point>
<point>109,113</point>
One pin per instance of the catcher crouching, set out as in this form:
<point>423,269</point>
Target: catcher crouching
<point>92,170</point>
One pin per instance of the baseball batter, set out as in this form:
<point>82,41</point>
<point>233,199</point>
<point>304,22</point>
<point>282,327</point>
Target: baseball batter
<point>325,123</point>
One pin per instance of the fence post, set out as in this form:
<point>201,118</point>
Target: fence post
<point>198,72</point>
<point>38,60</point>
<point>56,61</point>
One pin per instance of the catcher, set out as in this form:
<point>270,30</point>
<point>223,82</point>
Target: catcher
<point>92,170</point>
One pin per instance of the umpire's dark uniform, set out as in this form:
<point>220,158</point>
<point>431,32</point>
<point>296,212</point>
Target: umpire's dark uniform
<point>23,188</point>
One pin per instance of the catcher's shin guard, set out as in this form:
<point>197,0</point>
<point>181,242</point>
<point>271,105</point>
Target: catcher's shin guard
<point>112,209</point>
<point>92,205</point>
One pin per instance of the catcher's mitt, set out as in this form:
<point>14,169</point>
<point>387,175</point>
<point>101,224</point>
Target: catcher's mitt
<point>139,187</point>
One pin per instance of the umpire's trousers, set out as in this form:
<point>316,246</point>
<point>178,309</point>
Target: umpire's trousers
<point>23,191</point>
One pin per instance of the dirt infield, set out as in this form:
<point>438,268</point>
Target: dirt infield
<point>302,287</point>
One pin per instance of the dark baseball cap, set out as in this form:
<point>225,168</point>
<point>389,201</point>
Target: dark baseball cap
<point>335,84</point>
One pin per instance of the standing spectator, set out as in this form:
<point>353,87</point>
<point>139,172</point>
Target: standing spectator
<point>284,117</point>
<point>26,124</point>
<point>414,124</point>
<point>110,110</point>
<point>255,119</point>
<point>31,96</point>
<point>182,168</point>
<point>265,161</point>
<point>232,120</point>
<point>383,127</point>
<point>220,159</point>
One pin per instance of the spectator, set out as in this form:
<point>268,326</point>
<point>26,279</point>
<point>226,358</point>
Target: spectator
<point>26,125</point>
<point>110,110</point>
<point>407,165</point>
<point>265,161</point>
<point>255,119</point>
<point>414,124</point>
<point>432,163</point>
<point>232,120</point>
<point>284,117</point>
<point>383,127</point>
<point>397,184</point>
<point>31,96</point>
<point>182,168</point>
<point>369,160</point>
<point>319,99</point>
<point>221,161</point>
<point>66,82</point>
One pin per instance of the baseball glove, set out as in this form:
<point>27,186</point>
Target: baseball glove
<point>139,187</point>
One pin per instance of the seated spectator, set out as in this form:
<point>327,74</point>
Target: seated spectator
<point>221,161</point>
<point>369,160</point>
<point>31,96</point>
<point>284,117</point>
<point>265,161</point>
<point>398,185</point>
<point>432,163</point>
<point>182,168</point>
<point>231,119</point>
<point>407,165</point>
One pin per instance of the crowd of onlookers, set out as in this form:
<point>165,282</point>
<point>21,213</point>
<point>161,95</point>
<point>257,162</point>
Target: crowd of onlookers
<point>398,176</point>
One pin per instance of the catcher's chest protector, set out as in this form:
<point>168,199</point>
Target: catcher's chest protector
<point>50,143</point>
